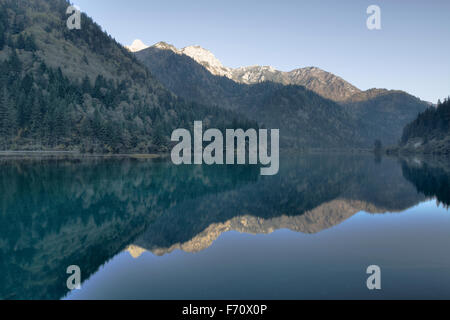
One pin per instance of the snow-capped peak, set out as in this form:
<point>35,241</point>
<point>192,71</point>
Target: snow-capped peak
<point>165,46</point>
<point>201,56</point>
<point>207,59</point>
<point>136,46</point>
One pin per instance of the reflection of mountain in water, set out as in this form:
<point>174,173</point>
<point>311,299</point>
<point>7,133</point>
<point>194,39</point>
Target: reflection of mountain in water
<point>323,217</point>
<point>309,195</point>
<point>55,214</point>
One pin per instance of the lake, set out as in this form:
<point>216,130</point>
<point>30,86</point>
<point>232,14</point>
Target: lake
<point>147,229</point>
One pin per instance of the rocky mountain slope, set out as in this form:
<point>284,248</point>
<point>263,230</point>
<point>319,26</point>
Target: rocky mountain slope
<point>321,82</point>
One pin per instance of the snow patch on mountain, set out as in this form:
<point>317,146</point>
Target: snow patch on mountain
<point>165,46</point>
<point>201,56</point>
<point>136,46</point>
<point>208,60</point>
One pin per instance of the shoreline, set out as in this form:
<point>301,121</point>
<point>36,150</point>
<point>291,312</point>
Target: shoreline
<point>23,155</point>
<point>75,155</point>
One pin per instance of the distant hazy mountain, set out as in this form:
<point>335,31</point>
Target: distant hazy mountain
<point>194,73</point>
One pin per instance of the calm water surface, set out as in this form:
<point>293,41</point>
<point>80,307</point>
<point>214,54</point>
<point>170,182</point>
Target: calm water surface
<point>146,229</point>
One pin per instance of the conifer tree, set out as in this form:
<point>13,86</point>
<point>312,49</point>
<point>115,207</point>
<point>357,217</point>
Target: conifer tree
<point>8,121</point>
<point>20,43</point>
<point>3,118</point>
<point>2,37</point>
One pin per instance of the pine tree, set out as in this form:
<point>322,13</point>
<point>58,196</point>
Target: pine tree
<point>8,118</point>
<point>96,125</point>
<point>20,43</point>
<point>99,84</point>
<point>86,85</point>
<point>60,125</point>
<point>36,118</point>
<point>47,128</point>
<point>30,44</point>
<point>3,118</point>
<point>14,62</point>
<point>2,37</point>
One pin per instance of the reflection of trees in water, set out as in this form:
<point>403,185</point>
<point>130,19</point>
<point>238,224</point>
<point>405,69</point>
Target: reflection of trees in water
<point>431,180</point>
<point>58,213</point>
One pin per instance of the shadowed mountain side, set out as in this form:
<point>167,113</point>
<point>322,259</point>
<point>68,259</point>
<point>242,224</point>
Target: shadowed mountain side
<point>384,113</point>
<point>309,195</point>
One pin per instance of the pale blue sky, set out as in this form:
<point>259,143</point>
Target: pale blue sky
<point>411,52</point>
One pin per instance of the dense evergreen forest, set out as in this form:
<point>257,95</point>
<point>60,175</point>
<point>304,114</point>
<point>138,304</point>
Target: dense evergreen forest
<point>95,98</point>
<point>430,124</point>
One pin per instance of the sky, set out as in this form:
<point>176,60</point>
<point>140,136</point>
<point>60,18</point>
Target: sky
<point>410,52</point>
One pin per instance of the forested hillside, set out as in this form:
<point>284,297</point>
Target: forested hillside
<point>81,90</point>
<point>430,132</point>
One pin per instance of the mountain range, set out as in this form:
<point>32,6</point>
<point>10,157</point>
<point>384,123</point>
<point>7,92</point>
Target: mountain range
<point>312,78</point>
<point>275,98</point>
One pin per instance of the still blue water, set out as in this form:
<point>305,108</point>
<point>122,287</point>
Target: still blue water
<point>146,229</point>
